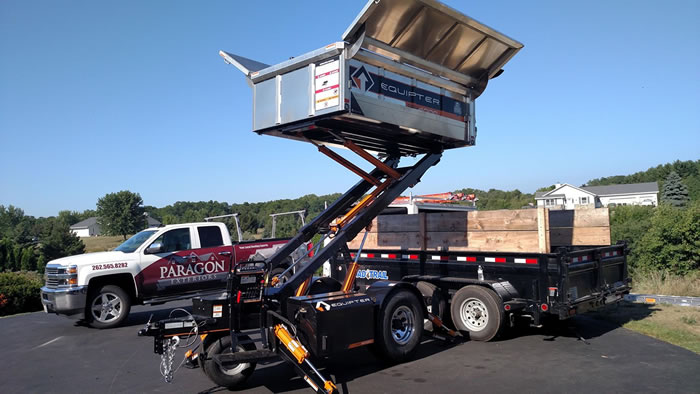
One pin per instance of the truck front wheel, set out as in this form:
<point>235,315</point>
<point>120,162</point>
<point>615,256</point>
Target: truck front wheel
<point>400,326</point>
<point>107,307</point>
<point>227,375</point>
<point>477,310</point>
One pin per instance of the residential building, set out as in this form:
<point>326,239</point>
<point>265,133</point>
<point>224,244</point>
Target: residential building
<point>565,196</point>
<point>91,228</point>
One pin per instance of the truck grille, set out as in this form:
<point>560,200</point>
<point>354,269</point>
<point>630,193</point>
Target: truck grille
<point>53,280</point>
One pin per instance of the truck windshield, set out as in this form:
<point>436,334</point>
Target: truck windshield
<point>134,242</point>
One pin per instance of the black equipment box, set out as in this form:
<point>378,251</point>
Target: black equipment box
<point>332,322</point>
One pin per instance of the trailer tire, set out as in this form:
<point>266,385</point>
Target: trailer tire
<point>399,326</point>
<point>107,307</point>
<point>282,279</point>
<point>437,303</point>
<point>227,377</point>
<point>478,311</point>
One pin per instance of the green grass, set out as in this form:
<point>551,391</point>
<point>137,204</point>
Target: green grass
<point>679,325</point>
<point>101,243</point>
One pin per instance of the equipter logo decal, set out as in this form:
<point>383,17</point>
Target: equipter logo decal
<point>362,77</point>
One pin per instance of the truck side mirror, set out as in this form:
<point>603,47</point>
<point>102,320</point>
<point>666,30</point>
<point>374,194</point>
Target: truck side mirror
<point>155,247</point>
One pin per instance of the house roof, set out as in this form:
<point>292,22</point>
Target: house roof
<point>551,193</point>
<point>85,223</point>
<point>647,187</point>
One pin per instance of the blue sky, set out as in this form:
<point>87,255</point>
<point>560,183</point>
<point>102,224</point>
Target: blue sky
<point>97,97</point>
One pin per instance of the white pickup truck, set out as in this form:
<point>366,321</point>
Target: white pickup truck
<point>154,266</point>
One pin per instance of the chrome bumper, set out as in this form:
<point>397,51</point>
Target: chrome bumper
<point>65,301</point>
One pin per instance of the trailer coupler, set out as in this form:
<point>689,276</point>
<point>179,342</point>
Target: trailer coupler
<point>296,354</point>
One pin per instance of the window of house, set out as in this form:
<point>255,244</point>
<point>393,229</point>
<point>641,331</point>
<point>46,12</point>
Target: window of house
<point>210,236</point>
<point>584,200</point>
<point>550,201</point>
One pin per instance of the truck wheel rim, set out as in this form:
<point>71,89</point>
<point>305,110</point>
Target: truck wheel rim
<point>474,314</point>
<point>106,308</point>
<point>238,368</point>
<point>402,324</point>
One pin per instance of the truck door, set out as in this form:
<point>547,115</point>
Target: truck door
<point>165,272</point>
<point>215,256</point>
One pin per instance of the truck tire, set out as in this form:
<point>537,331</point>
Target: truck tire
<point>436,305</point>
<point>229,376</point>
<point>107,307</point>
<point>399,326</point>
<point>478,311</point>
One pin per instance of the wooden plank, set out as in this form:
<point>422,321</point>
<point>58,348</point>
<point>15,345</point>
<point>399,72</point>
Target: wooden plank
<point>495,241</point>
<point>565,236</point>
<point>580,217</point>
<point>443,221</point>
<point>512,219</point>
<point>543,230</point>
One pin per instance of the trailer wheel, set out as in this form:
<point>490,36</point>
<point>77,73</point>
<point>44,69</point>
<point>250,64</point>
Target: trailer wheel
<point>107,307</point>
<point>228,376</point>
<point>437,303</point>
<point>400,326</point>
<point>282,279</point>
<point>479,311</point>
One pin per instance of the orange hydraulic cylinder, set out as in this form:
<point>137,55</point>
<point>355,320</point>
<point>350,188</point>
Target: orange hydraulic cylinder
<point>294,347</point>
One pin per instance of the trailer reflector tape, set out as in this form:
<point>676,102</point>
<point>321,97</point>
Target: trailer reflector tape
<point>410,256</point>
<point>352,255</point>
<point>388,256</point>
<point>490,259</point>
<point>530,261</point>
<point>461,258</point>
<point>500,259</point>
<point>471,259</point>
<point>440,258</point>
<point>520,261</point>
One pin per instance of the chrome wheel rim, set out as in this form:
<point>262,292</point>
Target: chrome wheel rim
<point>106,307</point>
<point>474,314</point>
<point>402,324</point>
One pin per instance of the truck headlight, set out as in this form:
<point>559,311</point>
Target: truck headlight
<point>73,270</point>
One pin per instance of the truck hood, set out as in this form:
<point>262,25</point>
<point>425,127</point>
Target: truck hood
<point>93,258</point>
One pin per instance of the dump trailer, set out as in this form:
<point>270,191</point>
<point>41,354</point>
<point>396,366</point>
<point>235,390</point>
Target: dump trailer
<point>403,82</point>
<point>482,269</point>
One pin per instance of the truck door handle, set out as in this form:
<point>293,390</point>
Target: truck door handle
<point>224,253</point>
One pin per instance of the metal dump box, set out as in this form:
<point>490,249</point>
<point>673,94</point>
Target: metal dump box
<point>402,81</point>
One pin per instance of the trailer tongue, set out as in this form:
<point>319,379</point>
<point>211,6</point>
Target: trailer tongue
<point>402,82</point>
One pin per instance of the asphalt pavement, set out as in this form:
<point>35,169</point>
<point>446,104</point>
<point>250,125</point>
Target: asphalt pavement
<point>52,354</point>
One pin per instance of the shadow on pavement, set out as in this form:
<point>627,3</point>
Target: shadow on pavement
<point>585,326</point>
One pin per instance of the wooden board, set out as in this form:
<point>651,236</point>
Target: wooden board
<point>585,217</point>
<point>501,241</point>
<point>565,236</point>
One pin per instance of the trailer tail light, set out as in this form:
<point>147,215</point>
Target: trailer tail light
<point>544,307</point>
<point>506,307</point>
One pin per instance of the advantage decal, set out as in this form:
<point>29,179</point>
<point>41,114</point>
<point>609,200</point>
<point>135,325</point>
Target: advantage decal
<point>371,274</point>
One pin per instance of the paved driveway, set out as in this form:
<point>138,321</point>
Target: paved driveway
<point>51,354</point>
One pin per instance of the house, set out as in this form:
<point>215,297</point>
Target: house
<point>87,228</point>
<point>565,196</point>
<point>91,228</point>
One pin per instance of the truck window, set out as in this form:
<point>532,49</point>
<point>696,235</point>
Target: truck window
<point>174,240</point>
<point>210,236</point>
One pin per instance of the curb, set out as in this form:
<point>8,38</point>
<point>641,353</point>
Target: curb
<point>663,299</point>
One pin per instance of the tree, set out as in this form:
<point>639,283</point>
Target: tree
<point>28,261</point>
<point>58,241</point>
<point>121,213</point>
<point>674,191</point>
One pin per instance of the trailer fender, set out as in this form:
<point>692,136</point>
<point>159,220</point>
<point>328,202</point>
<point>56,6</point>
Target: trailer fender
<point>380,291</point>
<point>504,290</point>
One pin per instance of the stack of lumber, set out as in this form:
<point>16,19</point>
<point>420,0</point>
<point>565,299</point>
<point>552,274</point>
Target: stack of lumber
<point>524,230</point>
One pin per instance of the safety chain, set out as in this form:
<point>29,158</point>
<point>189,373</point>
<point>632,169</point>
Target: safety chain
<point>166,359</point>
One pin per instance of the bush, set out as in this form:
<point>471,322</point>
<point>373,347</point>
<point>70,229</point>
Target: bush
<point>673,241</point>
<point>20,292</point>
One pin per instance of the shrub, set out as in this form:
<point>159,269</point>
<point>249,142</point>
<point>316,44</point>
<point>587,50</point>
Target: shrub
<point>20,292</point>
